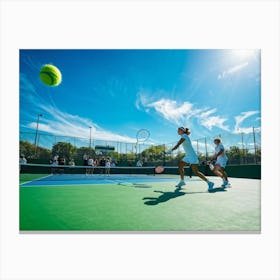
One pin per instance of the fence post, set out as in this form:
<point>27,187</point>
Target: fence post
<point>255,147</point>
<point>164,155</point>
<point>242,152</point>
<point>206,153</point>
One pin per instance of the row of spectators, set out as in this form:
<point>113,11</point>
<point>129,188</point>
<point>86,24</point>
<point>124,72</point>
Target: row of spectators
<point>88,161</point>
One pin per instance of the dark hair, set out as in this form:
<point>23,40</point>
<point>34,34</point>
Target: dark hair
<point>184,129</point>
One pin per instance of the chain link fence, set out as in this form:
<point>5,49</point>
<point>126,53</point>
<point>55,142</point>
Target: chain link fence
<point>241,148</point>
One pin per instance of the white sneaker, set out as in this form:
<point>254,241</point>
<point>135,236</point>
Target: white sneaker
<point>225,184</point>
<point>210,186</point>
<point>180,184</point>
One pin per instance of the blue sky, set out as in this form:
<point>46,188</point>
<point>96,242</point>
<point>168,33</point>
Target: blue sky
<point>118,92</point>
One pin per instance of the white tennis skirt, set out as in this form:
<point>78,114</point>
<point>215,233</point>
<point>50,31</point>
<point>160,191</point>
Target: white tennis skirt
<point>221,162</point>
<point>190,160</point>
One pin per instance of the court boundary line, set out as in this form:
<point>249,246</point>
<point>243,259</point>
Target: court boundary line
<point>109,180</point>
<point>81,185</point>
<point>36,179</point>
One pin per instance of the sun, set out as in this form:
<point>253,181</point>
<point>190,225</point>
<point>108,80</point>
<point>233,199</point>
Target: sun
<point>245,53</point>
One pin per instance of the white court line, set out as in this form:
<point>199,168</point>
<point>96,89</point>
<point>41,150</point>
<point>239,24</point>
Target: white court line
<point>35,180</point>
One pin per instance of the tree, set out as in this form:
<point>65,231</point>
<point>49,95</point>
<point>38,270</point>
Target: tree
<point>114,155</point>
<point>84,150</point>
<point>154,153</point>
<point>234,154</point>
<point>27,149</point>
<point>43,153</point>
<point>64,149</point>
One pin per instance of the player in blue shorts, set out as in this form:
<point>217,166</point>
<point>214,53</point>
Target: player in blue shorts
<point>221,161</point>
<point>190,158</point>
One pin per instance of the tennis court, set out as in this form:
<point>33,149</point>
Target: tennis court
<point>136,202</point>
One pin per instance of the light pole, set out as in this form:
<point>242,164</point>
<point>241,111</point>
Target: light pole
<point>90,136</point>
<point>242,141</point>
<point>36,134</point>
<point>255,146</point>
<point>206,152</point>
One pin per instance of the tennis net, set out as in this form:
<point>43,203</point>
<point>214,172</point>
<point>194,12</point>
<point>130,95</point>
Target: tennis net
<point>66,172</point>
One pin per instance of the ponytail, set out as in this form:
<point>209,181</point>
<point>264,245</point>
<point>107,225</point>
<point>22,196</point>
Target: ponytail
<point>184,129</point>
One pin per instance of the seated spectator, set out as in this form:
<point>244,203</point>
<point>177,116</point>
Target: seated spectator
<point>22,160</point>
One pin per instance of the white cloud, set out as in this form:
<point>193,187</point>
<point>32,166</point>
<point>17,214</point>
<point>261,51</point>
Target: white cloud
<point>232,70</point>
<point>174,112</point>
<point>206,114</point>
<point>66,124</point>
<point>210,122</point>
<point>180,113</point>
<point>201,146</point>
<point>62,123</point>
<point>240,119</point>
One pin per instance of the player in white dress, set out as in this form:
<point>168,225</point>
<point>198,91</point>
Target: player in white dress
<point>90,163</point>
<point>190,158</point>
<point>107,167</point>
<point>221,162</point>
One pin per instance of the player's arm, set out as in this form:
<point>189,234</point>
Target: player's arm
<point>178,144</point>
<point>218,154</point>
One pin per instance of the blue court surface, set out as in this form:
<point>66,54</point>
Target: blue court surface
<point>137,203</point>
<point>82,179</point>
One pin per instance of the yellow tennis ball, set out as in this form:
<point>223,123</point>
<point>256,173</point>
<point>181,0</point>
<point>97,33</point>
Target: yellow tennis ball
<point>50,75</point>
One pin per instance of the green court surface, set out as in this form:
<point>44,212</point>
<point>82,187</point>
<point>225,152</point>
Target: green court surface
<point>152,206</point>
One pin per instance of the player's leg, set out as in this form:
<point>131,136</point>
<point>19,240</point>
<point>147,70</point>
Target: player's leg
<point>196,172</point>
<point>182,174</point>
<point>225,177</point>
<point>220,165</point>
<point>217,171</point>
<point>224,173</point>
<point>182,170</point>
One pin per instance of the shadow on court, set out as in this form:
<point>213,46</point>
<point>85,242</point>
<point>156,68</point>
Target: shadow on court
<point>144,186</point>
<point>165,196</point>
<point>218,190</point>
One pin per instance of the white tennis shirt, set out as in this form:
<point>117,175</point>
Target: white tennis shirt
<point>187,146</point>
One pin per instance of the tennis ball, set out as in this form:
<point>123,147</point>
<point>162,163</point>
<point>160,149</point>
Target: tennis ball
<point>50,75</point>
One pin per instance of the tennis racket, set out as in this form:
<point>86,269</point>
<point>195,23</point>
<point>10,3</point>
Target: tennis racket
<point>142,135</point>
<point>210,164</point>
<point>160,168</point>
